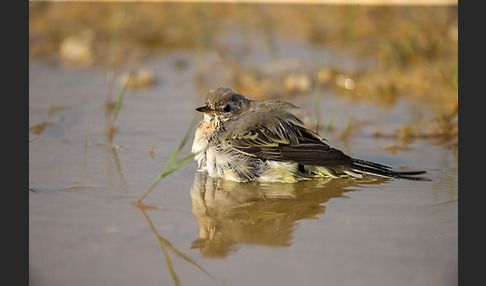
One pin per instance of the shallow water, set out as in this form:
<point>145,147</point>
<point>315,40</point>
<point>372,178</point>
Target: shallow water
<point>84,229</point>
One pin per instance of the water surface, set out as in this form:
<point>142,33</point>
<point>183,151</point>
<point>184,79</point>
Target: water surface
<point>84,229</point>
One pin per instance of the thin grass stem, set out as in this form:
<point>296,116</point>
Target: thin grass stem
<point>315,103</point>
<point>171,166</point>
<point>166,245</point>
<point>169,265</point>
<point>117,22</point>
<point>85,145</point>
<point>331,120</point>
<point>185,257</point>
<point>119,99</point>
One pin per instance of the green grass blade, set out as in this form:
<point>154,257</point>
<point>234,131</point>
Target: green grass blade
<point>454,83</point>
<point>183,142</point>
<point>169,169</point>
<point>331,120</point>
<point>119,99</point>
<point>315,103</point>
<point>171,166</point>
<point>116,24</point>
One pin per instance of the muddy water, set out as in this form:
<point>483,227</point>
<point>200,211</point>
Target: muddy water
<point>84,230</point>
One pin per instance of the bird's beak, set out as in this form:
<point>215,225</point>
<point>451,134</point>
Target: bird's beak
<point>204,109</point>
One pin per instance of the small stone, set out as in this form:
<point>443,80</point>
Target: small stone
<point>300,83</point>
<point>139,79</point>
<point>78,49</point>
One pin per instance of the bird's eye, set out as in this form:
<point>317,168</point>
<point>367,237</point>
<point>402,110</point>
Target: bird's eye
<point>227,108</point>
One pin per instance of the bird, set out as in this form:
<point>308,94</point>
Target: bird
<point>245,140</point>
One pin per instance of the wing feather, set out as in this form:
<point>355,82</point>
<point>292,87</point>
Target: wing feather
<point>288,142</point>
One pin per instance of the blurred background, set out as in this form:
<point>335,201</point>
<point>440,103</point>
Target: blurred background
<point>379,53</point>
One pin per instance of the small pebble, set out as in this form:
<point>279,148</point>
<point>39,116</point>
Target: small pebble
<point>140,79</point>
<point>78,49</point>
<point>300,83</point>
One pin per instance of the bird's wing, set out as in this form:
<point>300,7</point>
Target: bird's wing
<point>286,140</point>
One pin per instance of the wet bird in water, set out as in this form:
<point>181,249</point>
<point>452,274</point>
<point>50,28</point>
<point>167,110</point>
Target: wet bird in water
<point>261,140</point>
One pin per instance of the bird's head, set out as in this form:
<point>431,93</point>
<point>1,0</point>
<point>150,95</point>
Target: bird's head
<point>223,104</point>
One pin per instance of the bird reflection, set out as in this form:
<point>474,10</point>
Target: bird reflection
<point>230,213</point>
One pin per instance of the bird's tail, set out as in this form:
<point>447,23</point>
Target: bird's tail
<point>367,167</point>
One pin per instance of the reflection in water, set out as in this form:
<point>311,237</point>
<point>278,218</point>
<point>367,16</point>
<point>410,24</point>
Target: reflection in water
<point>230,213</point>
<point>166,246</point>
